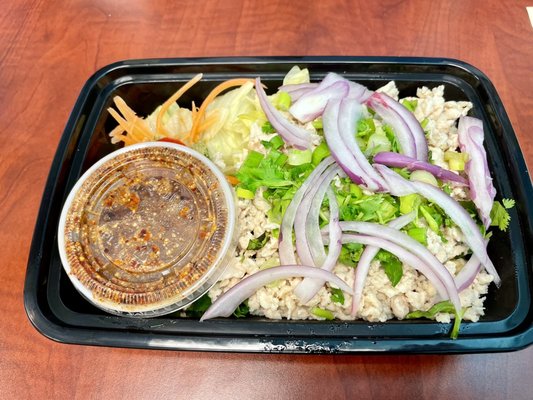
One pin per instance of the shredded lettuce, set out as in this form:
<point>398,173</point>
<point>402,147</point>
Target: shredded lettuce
<point>296,76</point>
<point>229,134</point>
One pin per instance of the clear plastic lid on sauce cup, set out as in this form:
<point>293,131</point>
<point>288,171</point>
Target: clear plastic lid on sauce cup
<point>148,229</point>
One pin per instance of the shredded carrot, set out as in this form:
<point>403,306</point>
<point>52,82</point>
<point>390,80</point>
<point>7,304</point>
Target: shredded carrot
<point>164,108</point>
<point>130,115</point>
<point>195,131</point>
<point>233,180</point>
<point>209,122</point>
<point>129,126</point>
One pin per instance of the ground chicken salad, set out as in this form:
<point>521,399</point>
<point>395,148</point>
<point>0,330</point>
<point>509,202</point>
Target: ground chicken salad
<point>351,203</point>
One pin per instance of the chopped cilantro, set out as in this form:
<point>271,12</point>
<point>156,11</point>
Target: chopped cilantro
<point>499,215</point>
<point>268,128</point>
<point>242,310</point>
<point>350,254</point>
<point>258,243</point>
<point>196,309</point>
<point>442,307</point>
<point>392,266</point>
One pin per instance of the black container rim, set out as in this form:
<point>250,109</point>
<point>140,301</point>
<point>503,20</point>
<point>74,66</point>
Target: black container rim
<point>520,337</point>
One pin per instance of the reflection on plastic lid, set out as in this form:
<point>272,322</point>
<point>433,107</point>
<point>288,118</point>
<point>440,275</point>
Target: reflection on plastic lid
<point>148,229</point>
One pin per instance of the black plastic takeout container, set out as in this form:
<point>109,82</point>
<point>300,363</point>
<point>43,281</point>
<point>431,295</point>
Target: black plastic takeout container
<point>57,310</point>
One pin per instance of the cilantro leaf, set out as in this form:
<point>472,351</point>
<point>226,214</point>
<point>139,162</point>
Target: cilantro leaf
<point>442,307</point>
<point>196,309</point>
<point>243,310</point>
<point>258,243</point>
<point>499,215</point>
<point>392,266</point>
<point>350,254</point>
<point>337,296</point>
<point>508,203</point>
<point>268,128</point>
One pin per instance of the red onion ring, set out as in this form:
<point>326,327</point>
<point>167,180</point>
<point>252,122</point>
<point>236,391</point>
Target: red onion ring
<point>285,245</point>
<point>308,288</point>
<point>229,301</point>
<point>402,161</point>
<point>291,134</point>
<point>482,192</point>
<point>363,266</point>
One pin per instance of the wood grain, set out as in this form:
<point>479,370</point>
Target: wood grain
<point>48,49</point>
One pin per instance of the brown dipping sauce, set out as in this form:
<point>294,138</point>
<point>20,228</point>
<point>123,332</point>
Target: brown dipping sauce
<point>147,228</point>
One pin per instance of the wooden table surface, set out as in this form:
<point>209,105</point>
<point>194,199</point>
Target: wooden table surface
<point>47,51</point>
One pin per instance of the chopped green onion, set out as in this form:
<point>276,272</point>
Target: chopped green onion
<point>456,161</point>
<point>276,142</point>
<point>317,123</point>
<point>319,153</point>
<point>419,234</point>
<point>321,313</point>
<point>356,191</point>
<point>253,160</point>
<point>432,223</point>
<point>409,203</point>
<point>424,176</point>
<point>410,104</point>
<point>282,101</point>
<point>299,157</point>
<point>268,128</point>
<point>244,193</point>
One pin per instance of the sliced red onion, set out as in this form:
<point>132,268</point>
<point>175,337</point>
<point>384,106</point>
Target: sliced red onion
<point>407,242</point>
<point>303,222</point>
<point>229,301</point>
<point>402,187</point>
<point>468,273</point>
<point>291,134</point>
<point>463,220</point>
<point>368,254</point>
<point>357,91</point>
<point>292,87</point>
<point>350,112</point>
<point>308,288</point>
<point>482,192</point>
<point>396,184</point>
<point>446,290</point>
<point>339,151</point>
<point>385,107</point>
<point>312,225</point>
<point>311,105</point>
<point>286,248</point>
<point>297,90</point>
<point>402,161</point>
